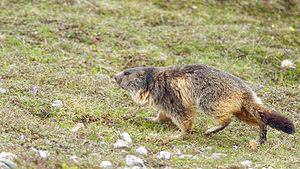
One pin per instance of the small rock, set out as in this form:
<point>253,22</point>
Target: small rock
<point>218,155</point>
<point>121,144</point>
<point>195,158</point>
<point>74,159</point>
<point>126,137</point>
<point>141,151</point>
<point>39,153</point>
<point>247,163</point>
<point>103,143</point>
<point>164,155</point>
<point>57,104</point>
<point>2,90</point>
<point>8,156</point>
<point>134,161</point>
<point>95,155</point>
<point>229,166</point>
<point>206,149</point>
<point>3,166</point>
<point>185,156</point>
<point>106,164</point>
<point>7,163</point>
<point>77,127</point>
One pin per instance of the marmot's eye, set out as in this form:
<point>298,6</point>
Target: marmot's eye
<point>126,73</point>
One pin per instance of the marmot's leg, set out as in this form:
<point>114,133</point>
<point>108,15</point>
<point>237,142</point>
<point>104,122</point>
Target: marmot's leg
<point>217,128</point>
<point>159,118</point>
<point>263,133</point>
<point>185,123</point>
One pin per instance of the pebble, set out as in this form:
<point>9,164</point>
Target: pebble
<point>126,137</point>
<point>8,156</point>
<point>77,127</point>
<point>74,159</point>
<point>207,149</point>
<point>4,163</point>
<point>2,90</point>
<point>247,163</point>
<point>121,144</point>
<point>218,155</point>
<point>132,160</point>
<point>141,151</point>
<point>57,104</point>
<point>164,155</point>
<point>185,156</point>
<point>103,143</point>
<point>39,153</point>
<point>106,164</point>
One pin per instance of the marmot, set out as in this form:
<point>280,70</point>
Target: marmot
<point>180,91</point>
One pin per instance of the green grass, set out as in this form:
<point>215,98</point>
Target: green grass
<point>71,50</point>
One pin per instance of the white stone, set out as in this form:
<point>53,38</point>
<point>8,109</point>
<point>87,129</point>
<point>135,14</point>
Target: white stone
<point>132,160</point>
<point>8,156</point>
<point>2,90</point>
<point>218,155</point>
<point>164,155</point>
<point>195,158</point>
<point>247,163</point>
<point>103,143</point>
<point>7,163</point>
<point>95,155</point>
<point>207,149</point>
<point>57,104</point>
<point>141,151</point>
<point>74,159</point>
<point>106,164</point>
<point>39,153</point>
<point>121,144</point>
<point>3,166</point>
<point>185,156</point>
<point>126,137</point>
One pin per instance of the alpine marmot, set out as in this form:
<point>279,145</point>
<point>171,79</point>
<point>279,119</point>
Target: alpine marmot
<point>180,91</point>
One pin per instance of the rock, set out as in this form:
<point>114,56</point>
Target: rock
<point>126,137</point>
<point>229,166</point>
<point>103,143</point>
<point>3,166</point>
<point>218,155</point>
<point>195,158</point>
<point>57,104</point>
<point>2,90</point>
<point>247,163</point>
<point>74,159</point>
<point>206,149</point>
<point>164,155</point>
<point>121,144</point>
<point>141,151</point>
<point>77,127</point>
<point>106,164</point>
<point>185,156</point>
<point>95,155</point>
<point>7,163</point>
<point>8,156</point>
<point>134,161</point>
<point>39,153</point>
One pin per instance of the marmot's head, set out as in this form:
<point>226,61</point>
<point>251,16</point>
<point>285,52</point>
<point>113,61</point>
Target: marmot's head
<point>135,79</point>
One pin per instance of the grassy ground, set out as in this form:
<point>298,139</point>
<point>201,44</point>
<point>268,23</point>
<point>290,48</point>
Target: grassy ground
<point>71,50</point>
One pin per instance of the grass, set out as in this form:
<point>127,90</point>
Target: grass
<point>71,50</point>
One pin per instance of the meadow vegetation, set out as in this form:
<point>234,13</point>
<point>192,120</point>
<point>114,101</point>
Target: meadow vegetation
<point>70,50</point>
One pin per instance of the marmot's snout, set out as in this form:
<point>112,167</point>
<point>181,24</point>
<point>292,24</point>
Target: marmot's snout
<point>118,78</point>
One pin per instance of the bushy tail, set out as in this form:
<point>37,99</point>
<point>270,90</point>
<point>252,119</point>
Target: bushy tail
<point>270,118</point>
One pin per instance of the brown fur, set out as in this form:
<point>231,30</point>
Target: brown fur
<point>180,91</point>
